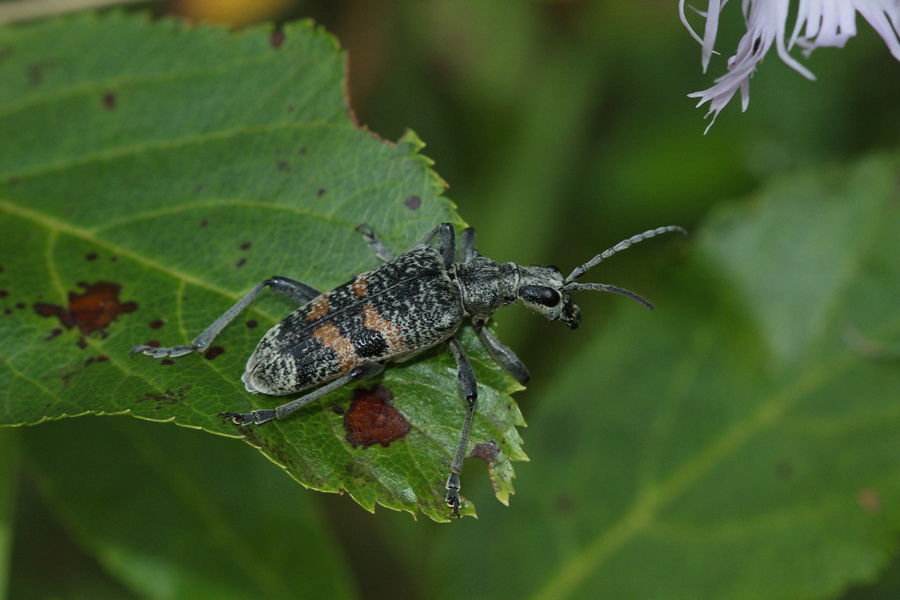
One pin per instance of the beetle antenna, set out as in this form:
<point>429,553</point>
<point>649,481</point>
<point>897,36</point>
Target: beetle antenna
<point>618,248</point>
<point>605,287</point>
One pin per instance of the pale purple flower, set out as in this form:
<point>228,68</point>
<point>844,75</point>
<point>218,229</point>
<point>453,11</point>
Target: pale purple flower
<point>819,23</point>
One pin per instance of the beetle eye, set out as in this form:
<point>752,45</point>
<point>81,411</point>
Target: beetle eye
<point>548,297</point>
<point>538,294</point>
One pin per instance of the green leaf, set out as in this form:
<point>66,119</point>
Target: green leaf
<point>161,176</point>
<point>170,513</point>
<point>9,472</point>
<point>731,444</point>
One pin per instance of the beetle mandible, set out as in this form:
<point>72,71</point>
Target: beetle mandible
<point>411,302</point>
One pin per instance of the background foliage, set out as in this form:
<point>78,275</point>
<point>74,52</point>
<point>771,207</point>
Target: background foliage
<point>738,442</point>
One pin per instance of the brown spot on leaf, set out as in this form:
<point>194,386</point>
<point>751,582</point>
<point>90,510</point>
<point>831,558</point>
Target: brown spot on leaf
<point>252,324</point>
<point>870,500</point>
<point>109,100</point>
<point>93,310</point>
<point>155,324</point>
<point>240,263</point>
<point>372,419</point>
<point>487,451</point>
<point>277,38</point>
<point>413,202</point>
<point>214,352</point>
<point>167,397</point>
<point>90,256</point>
<point>36,71</point>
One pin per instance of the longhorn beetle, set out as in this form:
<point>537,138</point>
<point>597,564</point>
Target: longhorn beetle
<point>411,302</point>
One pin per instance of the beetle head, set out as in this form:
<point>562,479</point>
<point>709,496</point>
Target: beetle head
<point>544,289</point>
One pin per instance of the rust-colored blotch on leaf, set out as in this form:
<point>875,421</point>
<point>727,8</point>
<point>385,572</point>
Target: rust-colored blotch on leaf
<point>372,419</point>
<point>96,308</point>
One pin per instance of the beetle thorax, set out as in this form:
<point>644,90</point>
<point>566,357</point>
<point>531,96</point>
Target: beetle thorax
<point>485,285</point>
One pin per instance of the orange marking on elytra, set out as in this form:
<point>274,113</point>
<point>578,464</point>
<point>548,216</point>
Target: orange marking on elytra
<point>391,333</point>
<point>319,308</point>
<point>359,286</point>
<point>330,337</point>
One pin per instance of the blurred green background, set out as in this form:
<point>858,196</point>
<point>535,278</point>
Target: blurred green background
<point>561,127</point>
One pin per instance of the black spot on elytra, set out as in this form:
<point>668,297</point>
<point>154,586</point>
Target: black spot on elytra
<point>109,101</point>
<point>372,419</point>
<point>214,352</point>
<point>413,202</point>
<point>277,38</point>
<point>155,324</point>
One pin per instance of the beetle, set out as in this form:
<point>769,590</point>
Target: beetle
<point>411,302</point>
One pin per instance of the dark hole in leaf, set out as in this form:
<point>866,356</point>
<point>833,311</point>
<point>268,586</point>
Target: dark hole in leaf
<point>372,419</point>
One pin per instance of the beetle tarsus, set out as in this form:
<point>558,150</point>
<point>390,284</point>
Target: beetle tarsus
<point>256,417</point>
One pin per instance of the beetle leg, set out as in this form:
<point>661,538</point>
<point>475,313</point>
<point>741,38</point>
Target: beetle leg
<point>466,378</point>
<point>296,290</point>
<point>258,417</point>
<point>501,354</point>
<point>374,243</point>
<point>467,245</point>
